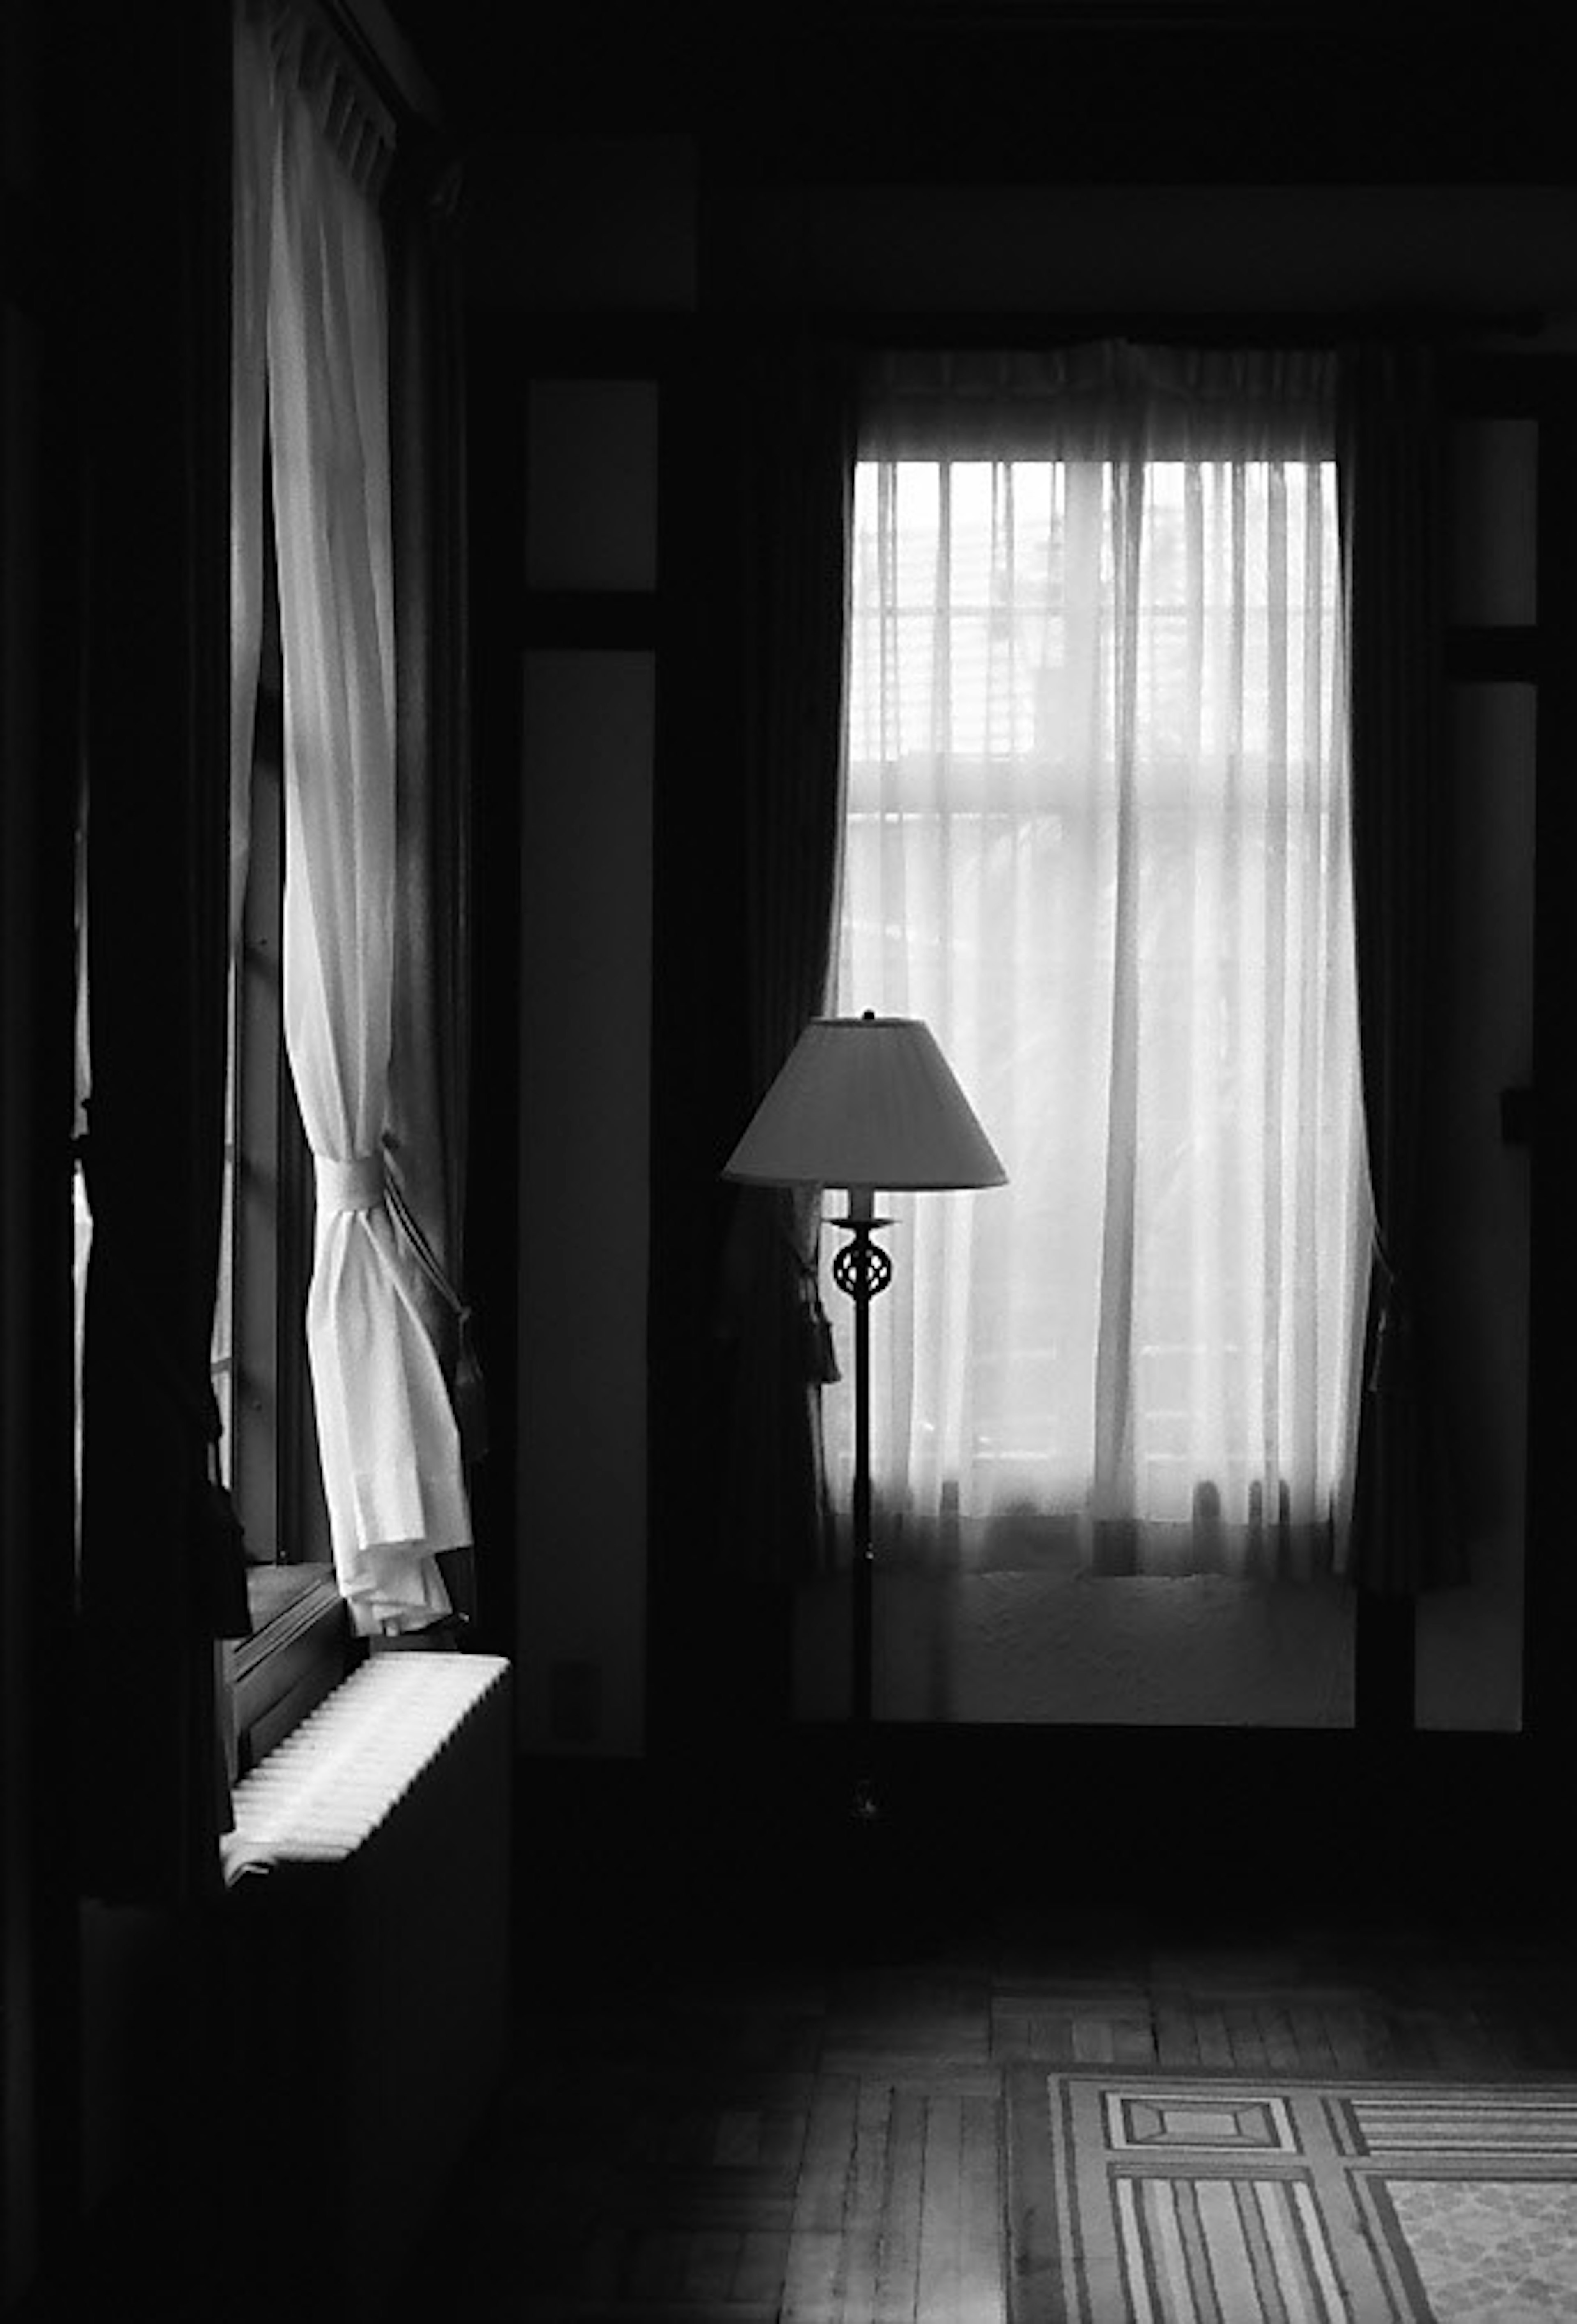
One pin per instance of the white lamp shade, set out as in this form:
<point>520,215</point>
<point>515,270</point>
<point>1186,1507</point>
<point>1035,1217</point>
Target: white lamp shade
<point>866,1101</point>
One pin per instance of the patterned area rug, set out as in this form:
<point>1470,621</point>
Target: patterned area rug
<point>1223,2198</point>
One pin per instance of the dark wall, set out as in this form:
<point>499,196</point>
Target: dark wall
<point>38,621</point>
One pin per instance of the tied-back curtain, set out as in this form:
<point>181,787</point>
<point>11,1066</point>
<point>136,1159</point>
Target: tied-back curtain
<point>1098,837</point>
<point>1407,1534</point>
<point>388,1442</point>
<point>789,482</point>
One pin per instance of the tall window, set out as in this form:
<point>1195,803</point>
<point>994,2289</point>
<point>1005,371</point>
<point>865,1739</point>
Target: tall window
<point>1097,836</point>
<point>314,351</point>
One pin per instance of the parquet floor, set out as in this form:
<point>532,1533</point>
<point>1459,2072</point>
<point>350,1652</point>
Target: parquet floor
<point>732,2115</point>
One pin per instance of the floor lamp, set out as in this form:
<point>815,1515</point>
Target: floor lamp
<point>868,1103</point>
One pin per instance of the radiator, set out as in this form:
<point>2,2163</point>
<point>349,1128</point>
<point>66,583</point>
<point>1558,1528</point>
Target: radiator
<point>368,1965</point>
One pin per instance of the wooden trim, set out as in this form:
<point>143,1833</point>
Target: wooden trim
<point>1478,653</point>
<point>1550,1573</point>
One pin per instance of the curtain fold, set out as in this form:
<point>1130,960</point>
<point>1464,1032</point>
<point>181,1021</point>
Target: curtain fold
<point>387,1437</point>
<point>789,480</point>
<point>1406,1534</point>
<point>1097,838</point>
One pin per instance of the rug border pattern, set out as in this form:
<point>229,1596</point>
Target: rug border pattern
<point>1058,2275</point>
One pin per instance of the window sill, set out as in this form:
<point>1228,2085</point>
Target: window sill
<point>299,1650</point>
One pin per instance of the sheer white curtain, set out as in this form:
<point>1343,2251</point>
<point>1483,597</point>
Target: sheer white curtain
<point>388,1443</point>
<point>1097,836</point>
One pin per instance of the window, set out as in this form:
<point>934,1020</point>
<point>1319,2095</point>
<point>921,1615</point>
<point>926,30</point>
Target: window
<point>1096,836</point>
<point>345,1440</point>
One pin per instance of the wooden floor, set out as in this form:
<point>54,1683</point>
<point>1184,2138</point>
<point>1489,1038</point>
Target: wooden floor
<point>729,2101</point>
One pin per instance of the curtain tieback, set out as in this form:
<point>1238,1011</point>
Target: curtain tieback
<point>353,1186</point>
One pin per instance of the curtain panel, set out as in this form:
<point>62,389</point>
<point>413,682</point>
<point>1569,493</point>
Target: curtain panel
<point>791,473</point>
<point>388,1441</point>
<point>161,1576</point>
<point>1098,837</point>
<point>1407,1534</point>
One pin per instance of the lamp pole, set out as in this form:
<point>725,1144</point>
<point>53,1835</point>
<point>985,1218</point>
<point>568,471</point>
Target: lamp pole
<point>864,1551</point>
<point>862,1270</point>
<point>861,1102</point>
